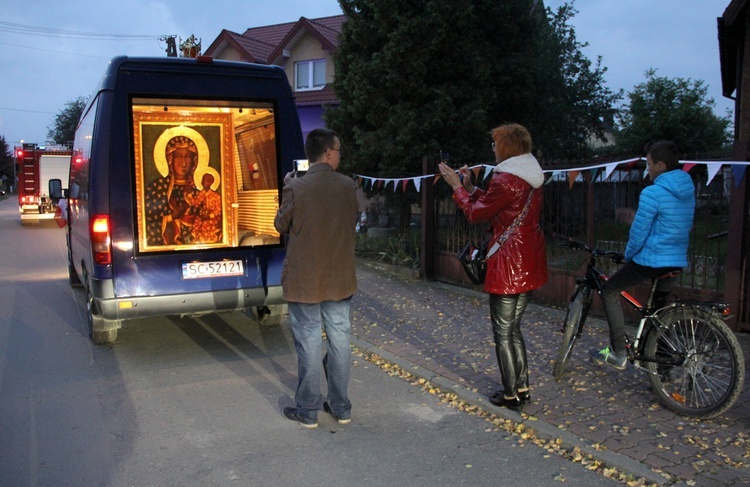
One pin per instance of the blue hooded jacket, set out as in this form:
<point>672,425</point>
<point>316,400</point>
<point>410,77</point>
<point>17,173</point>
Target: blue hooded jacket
<point>660,232</point>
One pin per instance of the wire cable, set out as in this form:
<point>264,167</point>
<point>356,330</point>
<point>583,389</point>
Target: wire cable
<point>14,28</point>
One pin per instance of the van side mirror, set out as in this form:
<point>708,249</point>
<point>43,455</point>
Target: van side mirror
<point>55,189</point>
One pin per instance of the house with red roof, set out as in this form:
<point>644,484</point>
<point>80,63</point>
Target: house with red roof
<point>305,49</point>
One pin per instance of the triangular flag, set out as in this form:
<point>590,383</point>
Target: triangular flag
<point>418,184</point>
<point>608,170</point>
<point>594,172</point>
<point>404,184</point>
<point>630,165</point>
<point>738,172</point>
<point>712,170</point>
<point>688,166</point>
<point>572,175</point>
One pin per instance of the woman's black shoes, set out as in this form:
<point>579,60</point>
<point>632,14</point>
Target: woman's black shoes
<point>498,399</point>
<point>524,396</point>
<point>514,404</point>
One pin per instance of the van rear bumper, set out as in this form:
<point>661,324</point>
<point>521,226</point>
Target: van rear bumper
<point>112,308</point>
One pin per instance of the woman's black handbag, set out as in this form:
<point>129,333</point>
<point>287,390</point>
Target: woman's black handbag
<point>473,258</point>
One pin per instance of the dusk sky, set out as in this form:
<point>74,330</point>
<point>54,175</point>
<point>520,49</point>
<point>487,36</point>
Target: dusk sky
<point>54,52</point>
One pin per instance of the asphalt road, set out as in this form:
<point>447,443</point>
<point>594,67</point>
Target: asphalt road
<point>197,401</point>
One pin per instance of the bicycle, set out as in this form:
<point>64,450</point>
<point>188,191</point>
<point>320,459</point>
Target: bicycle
<point>693,359</point>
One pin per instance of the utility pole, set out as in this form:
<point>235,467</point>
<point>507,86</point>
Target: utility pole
<point>171,45</point>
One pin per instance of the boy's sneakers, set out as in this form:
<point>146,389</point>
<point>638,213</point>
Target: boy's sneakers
<point>609,357</point>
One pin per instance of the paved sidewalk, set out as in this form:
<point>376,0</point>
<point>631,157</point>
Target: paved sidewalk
<point>443,333</point>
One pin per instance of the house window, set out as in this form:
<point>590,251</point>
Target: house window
<point>310,75</point>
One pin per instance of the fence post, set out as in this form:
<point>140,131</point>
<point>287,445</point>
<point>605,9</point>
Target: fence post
<point>736,292</point>
<point>427,243</point>
<point>588,181</point>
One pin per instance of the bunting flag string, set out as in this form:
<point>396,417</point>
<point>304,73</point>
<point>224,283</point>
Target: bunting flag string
<point>570,175</point>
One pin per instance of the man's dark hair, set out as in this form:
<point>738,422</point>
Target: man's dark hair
<point>666,152</point>
<point>317,142</point>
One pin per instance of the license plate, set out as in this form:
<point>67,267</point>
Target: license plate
<point>223,268</point>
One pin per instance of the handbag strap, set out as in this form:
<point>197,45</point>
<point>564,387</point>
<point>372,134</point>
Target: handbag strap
<point>516,222</point>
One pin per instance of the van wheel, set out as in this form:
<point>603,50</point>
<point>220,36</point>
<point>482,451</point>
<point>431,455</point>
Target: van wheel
<point>102,331</point>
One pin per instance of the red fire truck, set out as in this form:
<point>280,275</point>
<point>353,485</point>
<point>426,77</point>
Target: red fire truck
<point>35,166</point>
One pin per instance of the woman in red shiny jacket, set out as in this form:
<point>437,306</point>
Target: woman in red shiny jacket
<point>519,266</point>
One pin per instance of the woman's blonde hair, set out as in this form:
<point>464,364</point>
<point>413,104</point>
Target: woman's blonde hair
<point>513,139</point>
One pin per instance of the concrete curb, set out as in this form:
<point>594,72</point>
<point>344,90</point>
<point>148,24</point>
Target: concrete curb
<point>540,428</point>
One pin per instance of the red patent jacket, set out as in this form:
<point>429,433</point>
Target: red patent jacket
<point>520,265</point>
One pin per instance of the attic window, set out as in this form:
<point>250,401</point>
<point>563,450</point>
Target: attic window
<point>309,75</point>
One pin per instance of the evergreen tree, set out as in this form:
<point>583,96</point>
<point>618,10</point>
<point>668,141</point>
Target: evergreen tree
<point>575,106</point>
<point>672,109</point>
<point>415,77</point>
<point>407,85</point>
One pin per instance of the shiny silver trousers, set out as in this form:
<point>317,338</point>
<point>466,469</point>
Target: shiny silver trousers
<point>506,311</point>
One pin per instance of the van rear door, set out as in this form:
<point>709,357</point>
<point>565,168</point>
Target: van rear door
<point>196,157</point>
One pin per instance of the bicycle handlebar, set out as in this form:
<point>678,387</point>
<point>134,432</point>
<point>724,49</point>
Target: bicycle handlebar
<point>616,257</point>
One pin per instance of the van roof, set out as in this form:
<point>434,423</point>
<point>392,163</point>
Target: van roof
<point>171,64</point>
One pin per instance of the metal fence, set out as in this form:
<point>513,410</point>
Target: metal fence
<point>587,206</point>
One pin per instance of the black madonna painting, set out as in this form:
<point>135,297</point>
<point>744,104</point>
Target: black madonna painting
<point>182,173</point>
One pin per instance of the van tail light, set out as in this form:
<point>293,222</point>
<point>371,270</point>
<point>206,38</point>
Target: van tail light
<point>101,241</point>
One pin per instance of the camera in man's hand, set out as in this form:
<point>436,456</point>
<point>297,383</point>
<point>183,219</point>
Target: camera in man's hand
<point>300,167</point>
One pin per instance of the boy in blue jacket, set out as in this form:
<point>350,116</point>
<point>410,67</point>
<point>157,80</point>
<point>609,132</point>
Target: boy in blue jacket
<point>658,242</point>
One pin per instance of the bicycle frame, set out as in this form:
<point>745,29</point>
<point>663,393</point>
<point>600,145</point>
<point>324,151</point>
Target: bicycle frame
<point>596,279</point>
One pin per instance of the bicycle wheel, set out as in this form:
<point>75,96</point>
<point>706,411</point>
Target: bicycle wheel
<point>577,310</point>
<point>705,368</point>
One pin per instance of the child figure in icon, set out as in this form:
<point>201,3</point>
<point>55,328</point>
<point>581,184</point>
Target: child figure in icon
<point>207,207</point>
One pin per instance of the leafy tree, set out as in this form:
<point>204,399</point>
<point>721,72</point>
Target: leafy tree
<point>63,129</point>
<point>420,76</point>
<point>672,109</point>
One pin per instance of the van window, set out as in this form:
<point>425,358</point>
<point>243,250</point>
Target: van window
<point>79,161</point>
<point>206,173</point>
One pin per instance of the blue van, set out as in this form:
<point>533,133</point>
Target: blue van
<point>175,180</point>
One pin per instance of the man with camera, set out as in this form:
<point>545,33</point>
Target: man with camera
<point>318,214</point>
